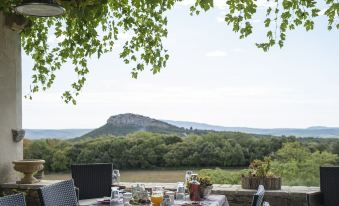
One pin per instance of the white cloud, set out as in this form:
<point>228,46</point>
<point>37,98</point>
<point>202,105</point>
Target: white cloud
<point>238,50</point>
<point>54,40</point>
<point>220,19</point>
<point>125,35</point>
<point>265,3</point>
<point>186,3</point>
<point>216,53</point>
<point>255,21</point>
<point>220,4</point>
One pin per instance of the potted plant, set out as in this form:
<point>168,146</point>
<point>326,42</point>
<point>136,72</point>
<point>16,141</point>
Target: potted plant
<point>259,173</point>
<point>206,186</point>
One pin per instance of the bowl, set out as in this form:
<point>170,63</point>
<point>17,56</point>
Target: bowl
<point>28,167</point>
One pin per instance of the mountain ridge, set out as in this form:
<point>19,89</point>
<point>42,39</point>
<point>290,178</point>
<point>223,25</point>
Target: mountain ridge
<point>123,124</point>
<point>313,131</point>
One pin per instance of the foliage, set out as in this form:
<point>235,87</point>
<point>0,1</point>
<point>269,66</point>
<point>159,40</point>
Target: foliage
<point>112,129</point>
<point>220,176</point>
<point>92,28</point>
<point>299,166</point>
<point>281,16</point>
<point>148,150</point>
<point>297,161</point>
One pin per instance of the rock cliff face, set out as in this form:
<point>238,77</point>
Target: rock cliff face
<point>137,120</point>
<point>124,124</point>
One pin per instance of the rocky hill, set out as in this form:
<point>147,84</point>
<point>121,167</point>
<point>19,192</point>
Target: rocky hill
<point>123,124</point>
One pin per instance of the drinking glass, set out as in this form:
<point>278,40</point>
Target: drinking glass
<point>116,177</point>
<point>127,196</point>
<point>157,195</point>
<point>170,196</point>
<point>180,191</point>
<point>115,194</point>
<point>266,204</point>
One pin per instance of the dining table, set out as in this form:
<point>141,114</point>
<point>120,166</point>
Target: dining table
<point>211,200</point>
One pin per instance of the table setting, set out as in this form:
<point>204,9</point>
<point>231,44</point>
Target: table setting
<point>194,191</point>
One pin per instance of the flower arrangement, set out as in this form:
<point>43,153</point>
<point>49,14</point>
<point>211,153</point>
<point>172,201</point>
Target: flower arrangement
<point>261,168</point>
<point>205,181</point>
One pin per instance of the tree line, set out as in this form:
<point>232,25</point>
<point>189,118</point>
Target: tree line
<point>144,150</point>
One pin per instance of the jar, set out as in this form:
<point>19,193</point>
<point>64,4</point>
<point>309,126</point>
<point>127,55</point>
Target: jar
<point>157,196</point>
<point>194,188</point>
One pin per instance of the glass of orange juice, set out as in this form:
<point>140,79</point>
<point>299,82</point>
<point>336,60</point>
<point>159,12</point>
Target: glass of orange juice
<point>157,195</point>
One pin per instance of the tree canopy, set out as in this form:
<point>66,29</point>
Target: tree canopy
<point>92,28</point>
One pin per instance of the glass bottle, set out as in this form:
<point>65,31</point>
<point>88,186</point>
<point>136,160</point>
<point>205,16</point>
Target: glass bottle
<point>194,188</point>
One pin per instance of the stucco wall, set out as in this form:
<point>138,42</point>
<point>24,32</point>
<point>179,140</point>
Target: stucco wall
<point>10,100</point>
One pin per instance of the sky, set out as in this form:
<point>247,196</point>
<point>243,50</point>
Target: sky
<point>212,77</point>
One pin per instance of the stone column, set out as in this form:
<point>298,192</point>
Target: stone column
<point>10,100</point>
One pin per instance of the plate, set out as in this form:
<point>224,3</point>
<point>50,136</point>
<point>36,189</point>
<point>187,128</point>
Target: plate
<point>104,202</point>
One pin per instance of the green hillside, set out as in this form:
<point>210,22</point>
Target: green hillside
<point>117,130</point>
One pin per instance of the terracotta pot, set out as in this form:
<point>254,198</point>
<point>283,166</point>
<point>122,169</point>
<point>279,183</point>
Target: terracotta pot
<point>28,168</point>
<point>270,183</point>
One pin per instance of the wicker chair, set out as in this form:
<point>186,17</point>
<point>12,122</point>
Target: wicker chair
<point>11,200</point>
<point>258,197</point>
<point>93,180</point>
<point>328,195</point>
<point>58,194</point>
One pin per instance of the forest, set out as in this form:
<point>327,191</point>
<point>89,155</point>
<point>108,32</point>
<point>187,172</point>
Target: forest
<point>293,158</point>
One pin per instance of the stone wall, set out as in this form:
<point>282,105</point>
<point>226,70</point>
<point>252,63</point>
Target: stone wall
<point>285,197</point>
<point>10,100</point>
<point>31,195</point>
<point>236,196</point>
<point>29,190</point>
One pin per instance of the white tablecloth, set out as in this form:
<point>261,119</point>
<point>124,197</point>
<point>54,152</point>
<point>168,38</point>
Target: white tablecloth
<point>212,200</point>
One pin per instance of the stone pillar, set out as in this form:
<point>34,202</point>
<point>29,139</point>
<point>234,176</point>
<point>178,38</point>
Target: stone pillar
<point>10,100</point>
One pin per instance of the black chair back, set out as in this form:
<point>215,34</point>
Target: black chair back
<point>93,180</point>
<point>13,200</point>
<point>329,185</point>
<point>258,197</point>
<point>58,194</point>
